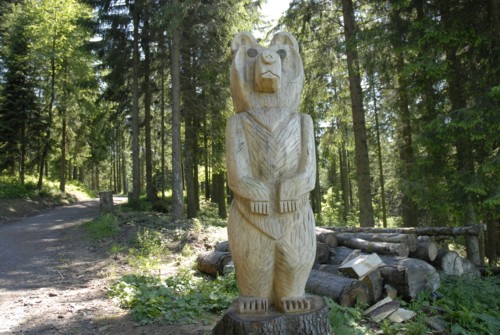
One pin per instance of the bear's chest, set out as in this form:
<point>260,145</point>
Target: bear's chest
<point>274,146</point>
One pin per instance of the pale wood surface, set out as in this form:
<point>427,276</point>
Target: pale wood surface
<point>271,169</point>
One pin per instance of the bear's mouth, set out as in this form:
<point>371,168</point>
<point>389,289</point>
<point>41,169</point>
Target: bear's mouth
<point>268,82</point>
<point>269,74</point>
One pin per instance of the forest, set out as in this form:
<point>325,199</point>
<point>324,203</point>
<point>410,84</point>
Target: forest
<point>133,96</point>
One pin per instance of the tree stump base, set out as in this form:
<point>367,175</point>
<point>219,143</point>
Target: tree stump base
<point>313,322</point>
<point>106,202</point>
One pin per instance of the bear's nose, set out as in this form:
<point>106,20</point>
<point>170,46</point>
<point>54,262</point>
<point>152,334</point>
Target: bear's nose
<point>269,57</point>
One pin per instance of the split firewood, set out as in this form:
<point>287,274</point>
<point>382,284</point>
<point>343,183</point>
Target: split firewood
<point>383,248</point>
<point>326,236</point>
<point>409,239</point>
<point>361,266</point>
<point>345,291</point>
<point>355,253</point>
<point>402,315</point>
<point>390,291</point>
<point>374,283</point>
<point>437,325</point>
<point>426,250</point>
<point>322,253</point>
<point>382,309</point>
<point>213,262</point>
<point>409,275</point>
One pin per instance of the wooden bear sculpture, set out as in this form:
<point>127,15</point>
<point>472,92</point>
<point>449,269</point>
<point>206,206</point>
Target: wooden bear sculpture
<point>271,170</point>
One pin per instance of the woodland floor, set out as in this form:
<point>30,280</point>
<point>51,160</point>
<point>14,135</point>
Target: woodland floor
<point>54,280</point>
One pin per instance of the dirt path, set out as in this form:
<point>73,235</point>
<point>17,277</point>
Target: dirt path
<point>54,281</point>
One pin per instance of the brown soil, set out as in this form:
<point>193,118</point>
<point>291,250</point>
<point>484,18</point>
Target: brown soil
<point>54,279</point>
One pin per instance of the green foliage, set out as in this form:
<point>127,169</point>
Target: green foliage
<point>181,298</point>
<point>11,188</point>
<point>346,320</point>
<point>333,211</point>
<point>473,305</point>
<point>148,251</point>
<point>209,216</point>
<point>102,227</point>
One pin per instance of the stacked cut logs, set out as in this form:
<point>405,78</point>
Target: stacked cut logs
<point>366,266</point>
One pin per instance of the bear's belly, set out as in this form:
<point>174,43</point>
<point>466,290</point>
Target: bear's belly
<point>274,153</point>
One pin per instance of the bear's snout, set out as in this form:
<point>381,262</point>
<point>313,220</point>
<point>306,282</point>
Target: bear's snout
<point>268,72</point>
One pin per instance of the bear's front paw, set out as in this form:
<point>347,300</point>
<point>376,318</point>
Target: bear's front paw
<point>259,207</point>
<point>288,206</point>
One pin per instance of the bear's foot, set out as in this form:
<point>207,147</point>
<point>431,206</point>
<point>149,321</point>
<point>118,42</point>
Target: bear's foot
<point>294,305</point>
<point>252,305</point>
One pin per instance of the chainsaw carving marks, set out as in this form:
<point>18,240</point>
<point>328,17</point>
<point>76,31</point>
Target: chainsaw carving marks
<point>271,170</point>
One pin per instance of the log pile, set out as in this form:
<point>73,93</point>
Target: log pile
<point>356,265</point>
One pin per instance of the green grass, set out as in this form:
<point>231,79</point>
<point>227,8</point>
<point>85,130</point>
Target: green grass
<point>102,227</point>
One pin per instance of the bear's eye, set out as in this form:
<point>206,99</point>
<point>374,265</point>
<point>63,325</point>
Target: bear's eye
<point>282,53</point>
<point>252,52</point>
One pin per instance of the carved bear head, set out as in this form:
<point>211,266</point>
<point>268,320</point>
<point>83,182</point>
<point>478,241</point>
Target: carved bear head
<point>266,78</point>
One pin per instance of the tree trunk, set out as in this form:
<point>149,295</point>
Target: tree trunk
<point>313,322</point>
<point>213,262</point>
<point>358,117</point>
<point>409,239</point>
<point>426,249</point>
<point>492,242</point>
<point>151,192</point>
<point>136,173</point>
<point>46,140</point>
<point>219,191</point>
<point>326,236</point>
<point>384,248</point>
<point>344,179</point>
<point>322,253</point>
<point>409,207</point>
<point>345,291</point>
<point>125,183</point>
<point>449,262</point>
<point>420,231</point>
<point>379,157</point>
<point>62,176</point>
<point>177,192</point>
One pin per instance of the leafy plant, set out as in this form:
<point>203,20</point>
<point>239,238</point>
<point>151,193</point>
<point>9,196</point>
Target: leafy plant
<point>346,320</point>
<point>473,305</point>
<point>180,298</point>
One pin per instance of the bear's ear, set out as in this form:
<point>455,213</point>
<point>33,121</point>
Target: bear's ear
<point>285,38</point>
<point>244,38</point>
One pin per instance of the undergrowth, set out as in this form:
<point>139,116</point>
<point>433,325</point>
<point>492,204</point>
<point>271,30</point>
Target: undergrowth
<point>180,298</point>
<point>466,306</point>
<point>12,188</point>
<point>103,226</point>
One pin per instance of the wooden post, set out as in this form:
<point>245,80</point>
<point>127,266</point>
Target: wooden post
<point>106,202</point>
<point>473,250</point>
<point>491,250</point>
